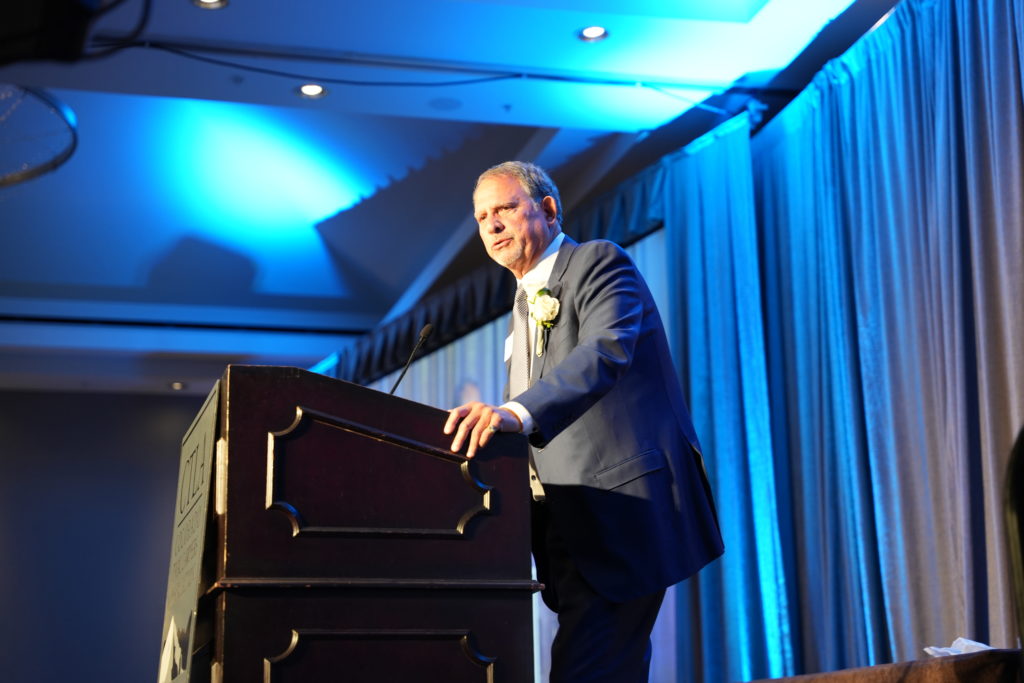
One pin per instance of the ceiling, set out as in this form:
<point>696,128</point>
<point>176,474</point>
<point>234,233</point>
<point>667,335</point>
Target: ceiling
<point>210,214</point>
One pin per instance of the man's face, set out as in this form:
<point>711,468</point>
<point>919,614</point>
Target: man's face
<point>515,229</point>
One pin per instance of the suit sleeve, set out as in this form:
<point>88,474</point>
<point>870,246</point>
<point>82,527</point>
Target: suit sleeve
<point>606,294</point>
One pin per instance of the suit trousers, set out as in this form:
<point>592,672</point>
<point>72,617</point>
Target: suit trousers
<point>598,641</point>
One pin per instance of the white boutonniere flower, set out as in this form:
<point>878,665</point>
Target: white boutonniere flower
<point>544,311</point>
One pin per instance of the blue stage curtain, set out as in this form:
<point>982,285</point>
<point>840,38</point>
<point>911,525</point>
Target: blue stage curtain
<point>732,619</point>
<point>890,198</point>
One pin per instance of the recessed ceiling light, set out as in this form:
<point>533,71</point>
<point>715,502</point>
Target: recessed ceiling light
<point>210,4</point>
<point>592,34</point>
<point>176,386</point>
<point>312,90</point>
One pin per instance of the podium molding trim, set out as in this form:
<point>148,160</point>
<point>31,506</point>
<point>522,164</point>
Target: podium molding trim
<point>461,637</point>
<point>304,415</point>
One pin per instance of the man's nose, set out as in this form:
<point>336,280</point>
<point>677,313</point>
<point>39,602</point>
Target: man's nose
<point>494,224</point>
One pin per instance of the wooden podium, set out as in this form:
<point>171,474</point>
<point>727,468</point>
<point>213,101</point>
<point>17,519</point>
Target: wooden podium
<point>343,541</point>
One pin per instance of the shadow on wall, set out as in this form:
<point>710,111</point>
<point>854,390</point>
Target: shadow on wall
<point>198,271</point>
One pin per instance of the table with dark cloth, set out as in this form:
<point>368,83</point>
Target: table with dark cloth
<point>990,666</point>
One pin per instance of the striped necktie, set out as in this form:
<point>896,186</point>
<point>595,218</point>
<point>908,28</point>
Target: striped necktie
<point>519,372</point>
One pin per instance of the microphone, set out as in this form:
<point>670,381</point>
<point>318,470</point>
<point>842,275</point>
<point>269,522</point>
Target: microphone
<point>424,333</point>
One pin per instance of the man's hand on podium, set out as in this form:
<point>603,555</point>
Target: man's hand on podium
<point>479,421</point>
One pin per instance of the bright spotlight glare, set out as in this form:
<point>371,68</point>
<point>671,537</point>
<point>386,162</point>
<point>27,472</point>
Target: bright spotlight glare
<point>312,90</point>
<point>593,33</point>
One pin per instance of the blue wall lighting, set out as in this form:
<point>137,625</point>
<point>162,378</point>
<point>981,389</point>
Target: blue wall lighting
<point>243,168</point>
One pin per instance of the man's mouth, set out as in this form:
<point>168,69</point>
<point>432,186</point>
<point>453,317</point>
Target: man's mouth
<point>501,243</point>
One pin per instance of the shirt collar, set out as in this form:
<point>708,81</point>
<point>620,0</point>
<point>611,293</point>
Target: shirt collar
<point>537,277</point>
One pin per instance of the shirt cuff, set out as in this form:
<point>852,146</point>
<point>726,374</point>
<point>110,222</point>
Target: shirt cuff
<point>522,413</point>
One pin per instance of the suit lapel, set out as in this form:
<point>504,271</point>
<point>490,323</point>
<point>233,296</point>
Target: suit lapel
<point>565,252</point>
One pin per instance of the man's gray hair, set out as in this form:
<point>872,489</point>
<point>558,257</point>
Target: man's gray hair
<point>531,177</point>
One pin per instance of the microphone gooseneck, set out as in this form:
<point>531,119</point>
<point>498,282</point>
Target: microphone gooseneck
<point>424,333</point>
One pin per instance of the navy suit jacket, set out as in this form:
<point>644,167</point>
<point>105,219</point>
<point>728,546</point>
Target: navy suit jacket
<point>614,444</point>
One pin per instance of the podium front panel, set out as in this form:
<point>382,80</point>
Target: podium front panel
<point>306,636</point>
<point>322,479</point>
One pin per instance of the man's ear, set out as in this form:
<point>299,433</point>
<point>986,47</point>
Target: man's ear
<point>550,208</point>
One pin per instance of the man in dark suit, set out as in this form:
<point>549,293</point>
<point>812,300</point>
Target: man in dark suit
<point>624,508</point>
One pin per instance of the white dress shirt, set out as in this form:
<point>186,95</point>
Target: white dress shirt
<point>532,281</point>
